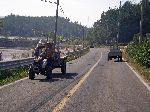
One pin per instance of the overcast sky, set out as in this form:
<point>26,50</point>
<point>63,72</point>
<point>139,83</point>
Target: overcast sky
<point>85,12</point>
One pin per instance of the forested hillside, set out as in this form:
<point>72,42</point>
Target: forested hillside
<point>1,25</point>
<point>15,25</point>
<point>130,16</point>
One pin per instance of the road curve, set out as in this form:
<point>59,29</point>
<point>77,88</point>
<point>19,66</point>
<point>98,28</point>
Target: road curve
<point>110,87</point>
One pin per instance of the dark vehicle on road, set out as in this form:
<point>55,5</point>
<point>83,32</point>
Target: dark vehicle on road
<point>115,52</point>
<point>47,61</point>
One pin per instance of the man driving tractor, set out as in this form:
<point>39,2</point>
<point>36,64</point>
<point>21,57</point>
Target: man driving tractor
<point>44,50</point>
<point>48,60</point>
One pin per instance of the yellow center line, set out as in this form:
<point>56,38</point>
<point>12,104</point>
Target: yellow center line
<point>63,102</point>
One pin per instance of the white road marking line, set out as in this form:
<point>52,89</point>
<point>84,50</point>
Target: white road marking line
<point>63,102</point>
<point>138,76</point>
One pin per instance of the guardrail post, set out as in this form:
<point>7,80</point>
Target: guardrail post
<point>32,52</point>
<point>0,56</point>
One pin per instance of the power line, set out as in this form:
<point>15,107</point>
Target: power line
<point>62,11</point>
<point>55,32</point>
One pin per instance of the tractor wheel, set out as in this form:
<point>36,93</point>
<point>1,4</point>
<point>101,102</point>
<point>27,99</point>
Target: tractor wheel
<point>31,74</point>
<point>63,68</point>
<point>48,72</point>
<point>108,58</point>
<point>120,58</point>
<point>42,71</point>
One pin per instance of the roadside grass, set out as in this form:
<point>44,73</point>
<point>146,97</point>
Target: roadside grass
<point>77,54</point>
<point>8,76</point>
<point>142,70</point>
<point>103,46</point>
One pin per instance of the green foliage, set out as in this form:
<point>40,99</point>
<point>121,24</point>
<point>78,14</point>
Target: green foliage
<point>130,15</point>
<point>7,76</point>
<point>1,25</point>
<point>77,54</point>
<point>36,26</point>
<point>140,52</point>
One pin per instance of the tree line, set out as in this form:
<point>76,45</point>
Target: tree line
<point>130,15</point>
<point>15,25</point>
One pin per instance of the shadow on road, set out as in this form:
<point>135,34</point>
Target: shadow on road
<point>120,61</point>
<point>66,76</point>
<point>58,76</point>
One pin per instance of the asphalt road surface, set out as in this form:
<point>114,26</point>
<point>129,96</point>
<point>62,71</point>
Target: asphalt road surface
<point>92,84</point>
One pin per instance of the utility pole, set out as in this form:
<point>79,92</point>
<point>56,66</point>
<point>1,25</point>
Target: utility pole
<point>118,35</point>
<point>55,33</point>
<point>141,24</point>
<point>107,30</point>
<point>83,36</point>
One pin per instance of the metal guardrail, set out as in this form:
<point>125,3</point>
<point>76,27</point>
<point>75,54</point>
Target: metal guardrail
<point>4,65</point>
<point>15,63</point>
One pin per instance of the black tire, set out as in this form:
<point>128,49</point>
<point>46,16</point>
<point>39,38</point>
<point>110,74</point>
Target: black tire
<point>108,58</point>
<point>31,74</point>
<point>63,68</point>
<point>48,72</point>
<point>121,58</point>
<point>118,58</point>
<point>42,71</point>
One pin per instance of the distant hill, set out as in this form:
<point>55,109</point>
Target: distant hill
<point>15,25</point>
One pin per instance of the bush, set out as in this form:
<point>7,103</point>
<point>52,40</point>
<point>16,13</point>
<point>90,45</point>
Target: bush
<point>140,52</point>
<point>7,76</point>
<point>77,54</point>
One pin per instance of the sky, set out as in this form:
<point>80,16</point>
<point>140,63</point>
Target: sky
<point>85,12</point>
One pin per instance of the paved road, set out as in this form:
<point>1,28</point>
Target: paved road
<point>110,87</point>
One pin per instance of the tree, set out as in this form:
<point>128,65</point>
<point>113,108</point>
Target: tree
<point>30,26</point>
<point>1,25</point>
<point>107,27</point>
